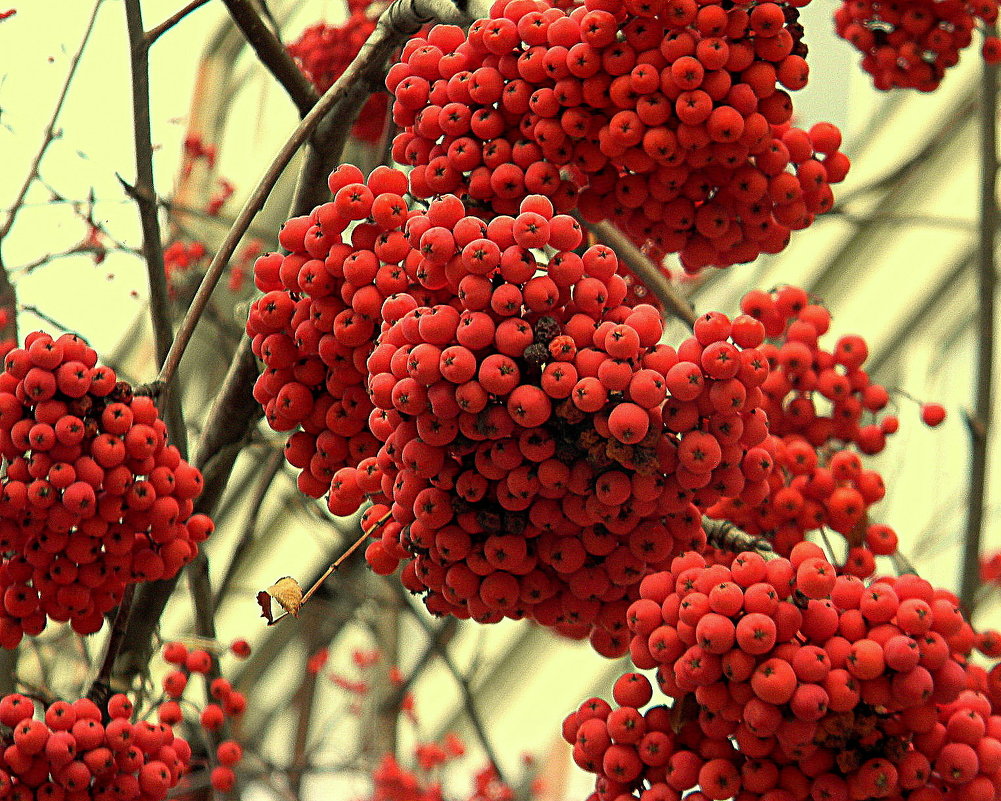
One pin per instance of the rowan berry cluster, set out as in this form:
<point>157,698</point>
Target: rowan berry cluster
<point>393,782</point>
<point>668,120</point>
<point>791,682</point>
<point>93,497</point>
<point>321,310</point>
<point>815,400</point>
<point>76,751</point>
<point>324,51</point>
<point>541,449</point>
<point>911,44</point>
<point>229,703</point>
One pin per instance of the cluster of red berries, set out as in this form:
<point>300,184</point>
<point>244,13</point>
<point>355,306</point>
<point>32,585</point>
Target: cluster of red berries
<point>911,43</point>
<point>668,120</point>
<point>77,752</point>
<point>791,682</point>
<point>324,51</point>
<point>541,449</point>
<point>93,498</point>
<point>821,480</point>
<point>321,310</point>
<point>180,256</point>
<point>393,782</point>
<point>213,715</point>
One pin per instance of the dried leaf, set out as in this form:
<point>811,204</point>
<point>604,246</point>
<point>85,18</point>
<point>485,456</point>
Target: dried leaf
<point>286,592</point>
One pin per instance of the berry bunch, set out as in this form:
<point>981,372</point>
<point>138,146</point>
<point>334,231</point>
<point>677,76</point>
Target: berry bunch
<point>541,450</point>
<point>393,782</point>
<point>93,497</point>
<point>791,682</point>
<point>911,44</point>
<point>76,752</point>
<point>821,480</point>
<point>668,120</point>
<point>322,306</point>
<point>324,51</point>
<point>230,704</point>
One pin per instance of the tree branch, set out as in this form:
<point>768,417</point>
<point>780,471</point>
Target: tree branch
<point>644,269</point>
<point>979,423</point>
<point>50,131</point>
<point>101,689</point>
<point>145,198</point>
<point>273,54</point>
<point>155,33</point>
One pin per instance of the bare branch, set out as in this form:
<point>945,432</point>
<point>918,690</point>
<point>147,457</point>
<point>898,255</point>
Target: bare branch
<point>50,131</point>
<point>979,422</point>
<point>100,690</point>
<point>145,198</point>
<point>156,32</point>
<point>644,269</point>
<point>273,54</point>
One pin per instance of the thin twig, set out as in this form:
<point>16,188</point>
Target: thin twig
<point>334,566</point>
<point>50,131</point>
<point>469,702</point>
<point>145,194</point>
<point>398,22</point>
<point>156,32</point>
<point>273,54</point>
<point>645,270</point>
<point>979,422</point>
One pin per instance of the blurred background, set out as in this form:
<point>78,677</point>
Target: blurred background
<point>894,262</point>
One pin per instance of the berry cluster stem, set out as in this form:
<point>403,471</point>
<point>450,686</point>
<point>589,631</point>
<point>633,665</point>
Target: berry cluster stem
<point>100,689</point>
<point>726,536</point>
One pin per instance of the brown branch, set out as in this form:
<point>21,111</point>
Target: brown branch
<point>156,32</point>
<point>100,690</point>
<point>273,54</point>
<point>644,269</point>
<point>979,422</point>
<point>145,198</point>
<point>726,536</point>
<point>49,134</point>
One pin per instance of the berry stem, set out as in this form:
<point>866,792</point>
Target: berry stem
<point>644,269</point>
<point>979,422</point>
<point>156,32</point>
<point>273,55</point>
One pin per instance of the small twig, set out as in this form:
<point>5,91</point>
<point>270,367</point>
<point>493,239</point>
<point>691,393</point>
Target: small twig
<point>273,54</point>
<point>644,269</point>
<point>100,690</point>
<point>32,309</point>
<point>469,702</point>
<point>334,566</point>
<point>156,32</point>
<point>979,422</point>
<point>50,131</point>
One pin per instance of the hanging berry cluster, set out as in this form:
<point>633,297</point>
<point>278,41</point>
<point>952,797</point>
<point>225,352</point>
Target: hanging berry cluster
<point>229,704</point>
<point>541,449</point>
<point>911,44</point>
<point>668,120</point>
<point>815,400</point>
<point>93,497</point>
<point>314,326</point>
<point>324,51</point>
<point>789,681</point>
<point>76,751</point>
